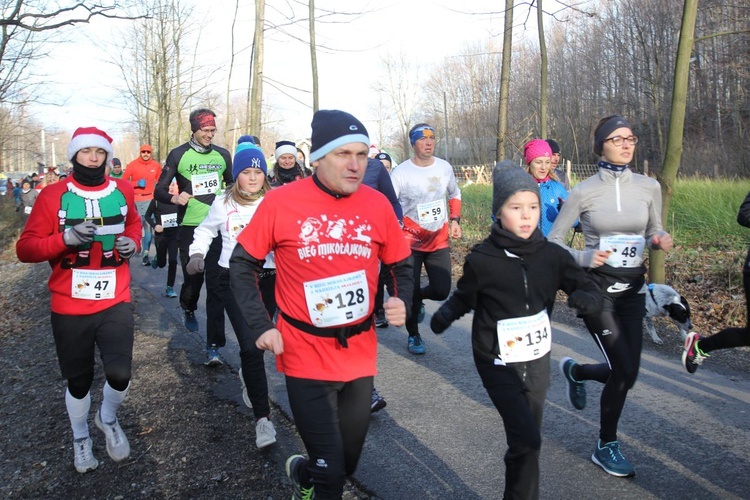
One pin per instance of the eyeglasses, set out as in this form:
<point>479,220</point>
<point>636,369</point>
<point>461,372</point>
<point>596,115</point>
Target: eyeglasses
<point>617,140</point>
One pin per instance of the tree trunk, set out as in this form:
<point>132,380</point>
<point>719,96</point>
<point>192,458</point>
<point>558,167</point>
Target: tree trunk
<point>676,127</point>
<point>502,107</point>
<point>543,86</point>
<point>256,98</point>
<point>313,56</point>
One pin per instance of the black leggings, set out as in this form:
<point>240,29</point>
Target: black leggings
<point>438,267</point>
<point>332,418</point>
<point>618,331</point>
<point>166,245</point>
<point>732,337</point>
<point>253,366</point>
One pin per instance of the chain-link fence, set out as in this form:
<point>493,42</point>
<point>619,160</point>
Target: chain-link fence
<point>482,174</point>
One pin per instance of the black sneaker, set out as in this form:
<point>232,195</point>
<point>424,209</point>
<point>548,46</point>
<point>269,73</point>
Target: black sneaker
<point>377,403</point>
<point>146,260</point>
<point>293,465</point>
<point>191,323</point>
<point>380,320</point>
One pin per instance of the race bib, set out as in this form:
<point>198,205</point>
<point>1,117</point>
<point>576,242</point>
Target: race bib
<point>27,210</point>
<point>93,284</point>
<point>169,220</point>
<point>524,339</point>
<point>433,211</point>
<point>626,250</point>
<point>205,183</point>
<point>236,222</point>
<point>337,300</point>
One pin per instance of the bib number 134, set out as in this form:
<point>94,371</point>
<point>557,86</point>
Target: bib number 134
<point>524,339</point>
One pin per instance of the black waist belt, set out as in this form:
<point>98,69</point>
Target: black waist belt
<point>340,334</point>
<point>99,221</point>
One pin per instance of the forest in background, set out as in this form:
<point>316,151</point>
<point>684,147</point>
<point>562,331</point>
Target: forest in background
<point>604,57</point>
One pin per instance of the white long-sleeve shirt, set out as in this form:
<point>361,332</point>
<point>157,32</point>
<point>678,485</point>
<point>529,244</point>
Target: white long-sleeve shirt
<point>228,219</point>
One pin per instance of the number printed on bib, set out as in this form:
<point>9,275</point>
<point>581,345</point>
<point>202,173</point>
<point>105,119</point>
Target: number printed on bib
<point>524,339</point>
<point>27,210</point>
<point>93,284</point>
<point>169,220</point>
<point>626,249</point>
<point>205,183</point>
<point>337,300</point>
<point>433,211</point>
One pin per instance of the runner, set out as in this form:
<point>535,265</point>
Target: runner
<point>510,280</point>
<point>697,347</point>
<point>201,169</point>
<point>422,184</point>
<point>553,194</point>
<point>162,217</point>
<point>143,172</point>
<point>229,214</point>
<point>328,246</point>
<point>620,215</point>
<point>87,227</point>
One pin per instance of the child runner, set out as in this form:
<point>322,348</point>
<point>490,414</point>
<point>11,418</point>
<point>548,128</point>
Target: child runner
<point>510,280</point>
<point>162,217</point>
<point>229,214</point>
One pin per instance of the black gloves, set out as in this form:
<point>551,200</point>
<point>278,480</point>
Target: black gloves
<point>585,302</point>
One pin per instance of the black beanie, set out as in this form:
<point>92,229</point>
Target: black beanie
<point>613,123</point>
<point>553,145</point>
<point>331,129</point>
<point>507,180</point>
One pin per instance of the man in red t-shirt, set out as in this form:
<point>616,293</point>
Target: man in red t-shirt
<point>143,172</point>
<point>87,228</point>
<point>328,245</point>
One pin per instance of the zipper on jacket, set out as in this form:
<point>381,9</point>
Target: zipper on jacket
<point>526,294</point>
<point>617,193</point>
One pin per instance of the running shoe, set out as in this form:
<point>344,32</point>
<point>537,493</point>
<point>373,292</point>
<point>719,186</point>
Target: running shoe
<point>576,390</point>
<point>420,315</point>
<point>191,323</point>
<point>146,260</point>
<point>416,344</point>
<point>245,396</point>
<point>293,466</point>
<point>118,447</point>
<point>169,292</point>
<point>377,403</point>
<point>692,356</point>
<point>380,320</point>
<point>84,459</point>
<point>153,263</point>
<point>212,356</point>
<point>265,433</point>
<point>609,458</point>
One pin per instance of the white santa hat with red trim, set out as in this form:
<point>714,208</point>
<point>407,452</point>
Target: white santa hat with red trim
<point>90,137</point>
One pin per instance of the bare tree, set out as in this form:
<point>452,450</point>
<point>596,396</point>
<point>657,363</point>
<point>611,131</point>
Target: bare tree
<point>256,94</point>
<point>502,102</point>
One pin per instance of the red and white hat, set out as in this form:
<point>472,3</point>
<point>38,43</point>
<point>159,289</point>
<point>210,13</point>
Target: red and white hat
<point>90,137</point>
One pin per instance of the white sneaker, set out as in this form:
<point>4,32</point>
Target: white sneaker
<point>245,396</point>
<point>118,447</point>
<point>265,433</point>
<point>84,460</point>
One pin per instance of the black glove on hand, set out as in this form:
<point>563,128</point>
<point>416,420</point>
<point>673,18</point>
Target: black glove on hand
<point>196,264</point>
<point>585,303</point>
<point>439,322</point>
<point>79,234</point>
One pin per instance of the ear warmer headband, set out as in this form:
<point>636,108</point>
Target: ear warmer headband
<point>419,132</point>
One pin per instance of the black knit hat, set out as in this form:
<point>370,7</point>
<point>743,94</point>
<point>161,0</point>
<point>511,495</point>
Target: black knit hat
<point>507,180</point>
<point>384,156</point>
<point>331,129</point>
<point>553,145</point>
